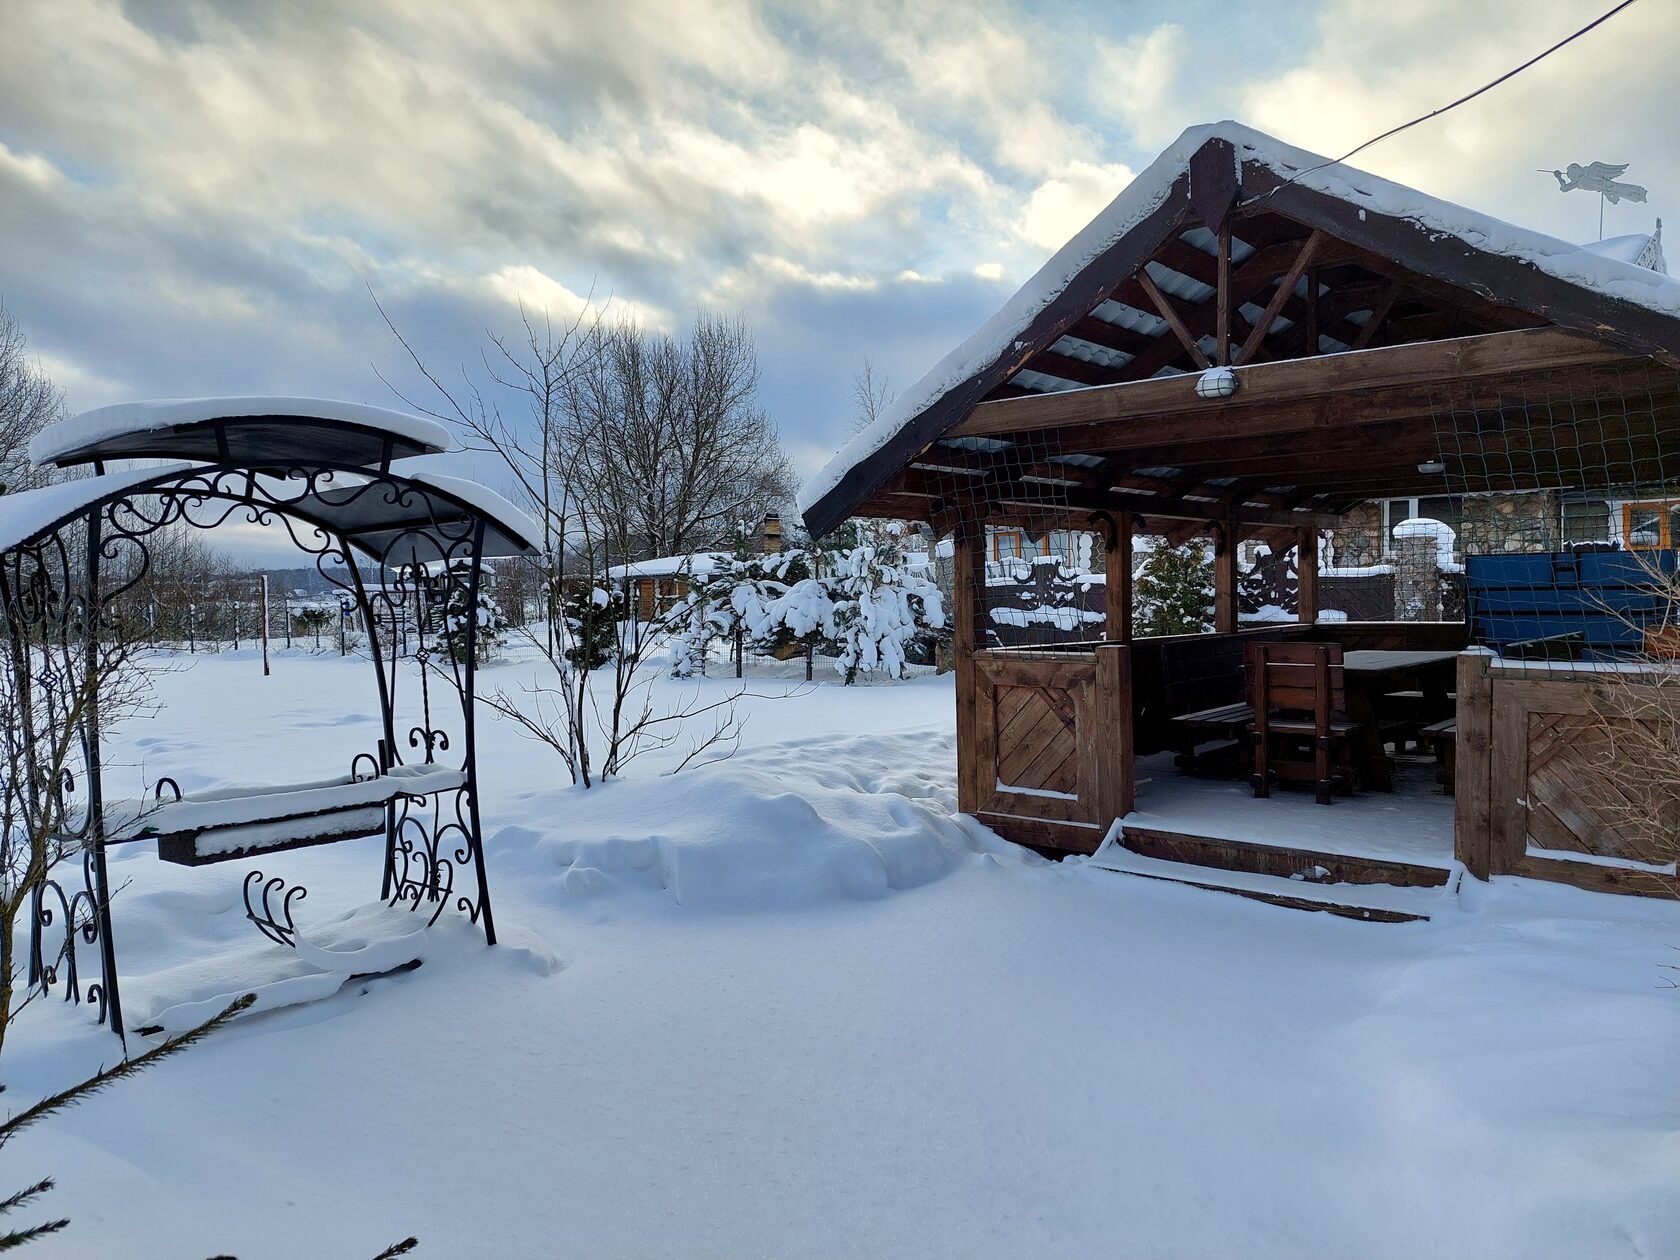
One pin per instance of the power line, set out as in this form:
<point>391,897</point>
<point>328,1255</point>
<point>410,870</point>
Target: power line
<point>1469,96</point>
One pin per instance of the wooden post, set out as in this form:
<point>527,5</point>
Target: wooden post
<point>1306,573</point>
<point>1117,561</point>
<point>1473,751</point>
<point>1116,794</point>
<point>1225,579</point>
<point>968,571</point>
<point>263,587</point>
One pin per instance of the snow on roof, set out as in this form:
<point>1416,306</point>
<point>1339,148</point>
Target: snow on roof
<point>1560,259</point>
<point>123,419</point>
<point>1641,249</point>
<point>29,513</point>
<point>700,564</point>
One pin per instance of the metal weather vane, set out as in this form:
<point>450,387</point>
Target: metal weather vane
<point>1601,178</point>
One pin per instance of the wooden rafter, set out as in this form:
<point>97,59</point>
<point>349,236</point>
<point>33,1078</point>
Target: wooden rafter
<point>1285,289</point>
<point>1379,313</point>
<point>1170,313</point>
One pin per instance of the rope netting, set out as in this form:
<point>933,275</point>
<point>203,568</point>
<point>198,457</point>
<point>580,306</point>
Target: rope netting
<point>1560,501</point>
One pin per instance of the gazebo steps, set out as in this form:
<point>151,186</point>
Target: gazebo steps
<point>1292,863</point>
<point>1374,903</point>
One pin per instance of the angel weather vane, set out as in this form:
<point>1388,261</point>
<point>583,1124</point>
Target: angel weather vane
<point>1601,178</point>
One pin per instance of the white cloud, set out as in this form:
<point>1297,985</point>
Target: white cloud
<point>989,271</point>
<point>1137,81</point>
<point>1060,206</point>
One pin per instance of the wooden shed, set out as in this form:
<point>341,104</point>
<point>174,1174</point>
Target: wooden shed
<point>1248,342</point>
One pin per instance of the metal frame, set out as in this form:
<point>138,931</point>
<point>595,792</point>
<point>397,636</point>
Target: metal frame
<point>411,578</point>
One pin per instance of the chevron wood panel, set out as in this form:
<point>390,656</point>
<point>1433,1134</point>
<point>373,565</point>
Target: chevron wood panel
<point>1569,808</point>
<point>1037,743</point>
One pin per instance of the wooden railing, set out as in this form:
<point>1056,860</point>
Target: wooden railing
<point>1530,798</point>
<point>1049,761</point>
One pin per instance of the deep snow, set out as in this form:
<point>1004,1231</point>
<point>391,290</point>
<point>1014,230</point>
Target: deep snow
<point>789,1006</point>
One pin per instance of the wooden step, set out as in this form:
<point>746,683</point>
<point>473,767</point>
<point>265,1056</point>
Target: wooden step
<point>1374,903</point>
<point>1281,860</point>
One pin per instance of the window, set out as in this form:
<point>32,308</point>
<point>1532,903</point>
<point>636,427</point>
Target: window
<point>1586,520</point>
<point>1440,507</point>
<point>1008,544</point>
<point>1650,526</point>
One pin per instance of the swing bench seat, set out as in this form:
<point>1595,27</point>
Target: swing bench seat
<point>231,823</point>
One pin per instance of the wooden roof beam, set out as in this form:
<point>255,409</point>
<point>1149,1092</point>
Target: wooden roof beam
<point>1268,386</point>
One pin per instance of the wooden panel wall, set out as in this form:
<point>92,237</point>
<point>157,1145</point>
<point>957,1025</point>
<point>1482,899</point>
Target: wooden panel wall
<point>1048,760</point>
<point>1527,740</point>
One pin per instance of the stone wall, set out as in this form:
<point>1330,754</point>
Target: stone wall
<point>1505,524</point>
<point>1357,541</point>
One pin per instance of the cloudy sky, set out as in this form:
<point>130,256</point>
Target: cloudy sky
<point>198,198</point>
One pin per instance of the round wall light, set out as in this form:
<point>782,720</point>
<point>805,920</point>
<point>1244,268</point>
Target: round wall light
<point>1432,467</point>
<point>1216,382</point>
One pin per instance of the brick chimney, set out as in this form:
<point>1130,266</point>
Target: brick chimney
<point>770,534</point>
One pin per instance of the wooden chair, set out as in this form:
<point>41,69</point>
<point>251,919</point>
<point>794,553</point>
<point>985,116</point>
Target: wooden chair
<point>1300,730</point>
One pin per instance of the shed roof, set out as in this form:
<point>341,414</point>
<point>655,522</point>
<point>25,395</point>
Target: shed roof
<point>1065,328</point>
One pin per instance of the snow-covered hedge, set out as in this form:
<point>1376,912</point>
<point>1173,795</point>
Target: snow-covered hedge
<point>866,602</point>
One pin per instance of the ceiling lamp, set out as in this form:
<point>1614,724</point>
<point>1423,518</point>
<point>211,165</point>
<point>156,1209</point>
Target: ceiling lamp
<point>1433,467</point>
<point>1216,382</point>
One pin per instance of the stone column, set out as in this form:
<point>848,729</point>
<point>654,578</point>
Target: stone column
<point>1417,573</point>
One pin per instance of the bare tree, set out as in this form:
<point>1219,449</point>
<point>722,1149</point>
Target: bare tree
<point>672,450</point>
<point>1632,751</point>
<point>29,401</point>
<point>596,721</point>
<point>872,394</point>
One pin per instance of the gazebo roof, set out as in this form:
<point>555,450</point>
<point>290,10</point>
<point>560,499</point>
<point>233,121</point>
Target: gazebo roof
<point>369,513</point>
<point>250,432</point>
<point>1137,294</point>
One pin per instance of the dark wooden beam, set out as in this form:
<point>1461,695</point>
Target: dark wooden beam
<point>1222,321</point>
<point>1286,287</point>
<point>1374,322</point>
<point>1170,313</point>
<point>1269,386</point>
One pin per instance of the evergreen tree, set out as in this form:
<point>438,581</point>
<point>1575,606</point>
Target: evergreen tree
<point>1174,590</point>
<point>592,616</point>
<point>492,625</point>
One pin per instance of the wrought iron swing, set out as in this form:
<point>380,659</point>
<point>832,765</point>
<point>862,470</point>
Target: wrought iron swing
<point>404,544</point>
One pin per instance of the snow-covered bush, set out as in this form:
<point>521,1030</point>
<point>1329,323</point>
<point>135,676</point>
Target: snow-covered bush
<point>592,615</point>
<point>492,626</point>
<point>773,601</point>
<point>881,607</point>
<point>873,609</point>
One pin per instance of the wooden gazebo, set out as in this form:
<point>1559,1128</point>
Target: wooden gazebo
<point>1248,342</point>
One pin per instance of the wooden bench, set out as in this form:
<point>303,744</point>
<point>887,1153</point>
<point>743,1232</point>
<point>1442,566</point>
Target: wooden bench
<point>1443,738</point>
<point>1204,684</point>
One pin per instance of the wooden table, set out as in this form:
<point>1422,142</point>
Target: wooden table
<point>1370,674</point>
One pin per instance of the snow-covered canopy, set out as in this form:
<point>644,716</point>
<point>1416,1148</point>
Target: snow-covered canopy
<point>277,429</point>
<point>415,499</point>
<point>31,513</point>
<point>1434,227</point>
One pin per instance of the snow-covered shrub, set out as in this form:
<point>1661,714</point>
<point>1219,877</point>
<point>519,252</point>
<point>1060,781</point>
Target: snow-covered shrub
<point>773,601</point>
<point>881,607</point>
<point>592,615</point>
<point>705,614</point>
<point>1174,591</point>
<point>492,626</point>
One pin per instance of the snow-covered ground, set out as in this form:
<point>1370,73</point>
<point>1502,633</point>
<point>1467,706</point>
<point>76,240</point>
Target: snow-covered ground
<point>787,1005</point>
